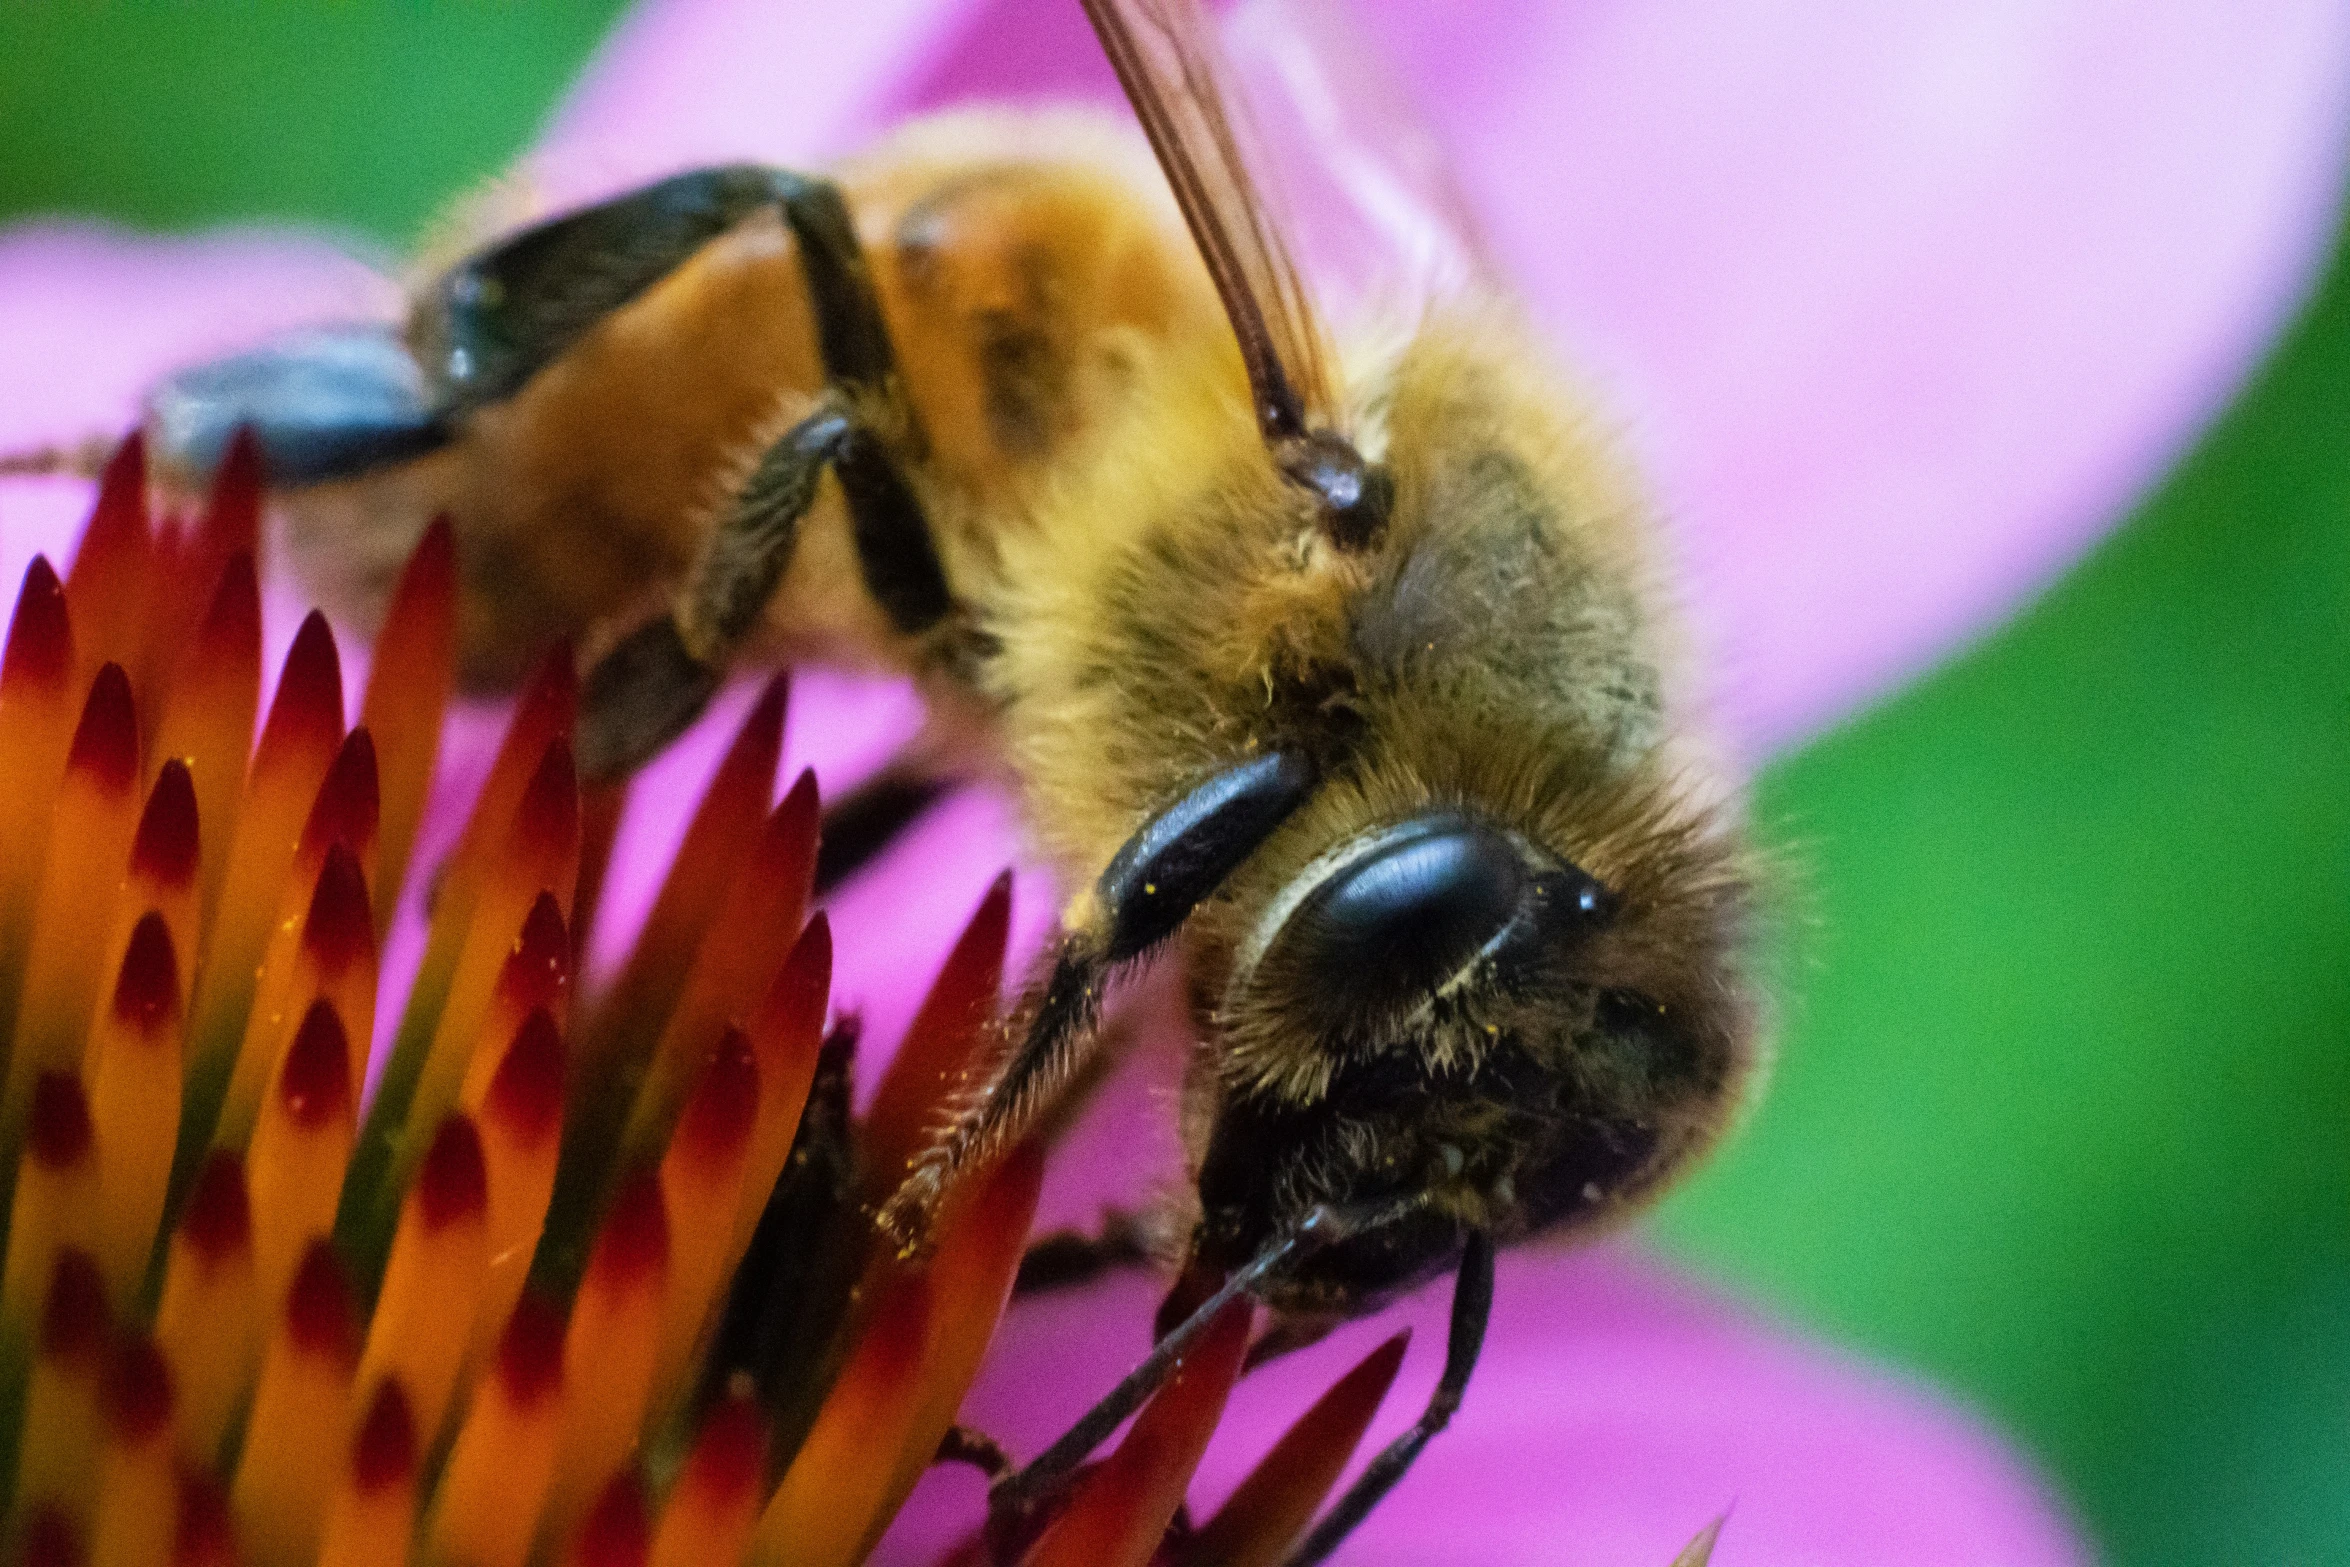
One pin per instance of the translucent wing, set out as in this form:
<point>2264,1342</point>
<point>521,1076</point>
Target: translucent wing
<point>1161,51</point>
<point>1368,198</point>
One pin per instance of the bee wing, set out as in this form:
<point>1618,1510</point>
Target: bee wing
<point>1370,200</point>
<point>1167,64</point>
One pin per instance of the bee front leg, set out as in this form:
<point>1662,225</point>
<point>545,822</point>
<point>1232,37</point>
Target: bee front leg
<point>1178,859</point>
<point>1018,1495</point>
<point>1472,1309</point>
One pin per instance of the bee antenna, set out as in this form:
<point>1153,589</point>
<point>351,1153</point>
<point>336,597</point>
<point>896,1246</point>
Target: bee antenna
<point>1355,494</point>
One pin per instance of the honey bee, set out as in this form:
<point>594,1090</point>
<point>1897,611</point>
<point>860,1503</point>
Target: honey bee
<point>1346,684</point>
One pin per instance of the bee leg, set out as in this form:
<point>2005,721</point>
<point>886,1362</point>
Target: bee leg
<point>861,825</point>
<point>1020,1493</point>
<point>967,1445</point>
<point>647,690</point>
<point>1066,1259</point>
<point>1180,857</point>
<point>324,403</point>
<point>640,696</point>
<point>1472,1308</point>
<point>500,316</point>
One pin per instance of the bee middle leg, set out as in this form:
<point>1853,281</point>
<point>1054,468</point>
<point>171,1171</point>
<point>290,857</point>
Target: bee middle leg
<point>499,317</point>
<point>1069,1259</point>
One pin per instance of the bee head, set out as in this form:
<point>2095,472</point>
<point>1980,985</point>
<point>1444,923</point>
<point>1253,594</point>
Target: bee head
<point>1443,1020</point>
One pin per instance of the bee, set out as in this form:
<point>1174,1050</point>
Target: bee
<point>1346,686</point>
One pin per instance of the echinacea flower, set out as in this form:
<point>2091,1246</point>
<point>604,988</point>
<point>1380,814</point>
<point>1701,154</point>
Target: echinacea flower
<point>1600,1361</point>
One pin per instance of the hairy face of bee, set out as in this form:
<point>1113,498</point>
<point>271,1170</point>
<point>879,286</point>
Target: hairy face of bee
<point>1476,1061</point>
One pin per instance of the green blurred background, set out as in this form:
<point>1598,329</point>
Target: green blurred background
<point>2063,1117</point>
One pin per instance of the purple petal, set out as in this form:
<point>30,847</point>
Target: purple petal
<point>1902,308</point>
<point>1617,1410</point>
<point>1889,372</point>
<point>90,316</point>
<point>685,82</point>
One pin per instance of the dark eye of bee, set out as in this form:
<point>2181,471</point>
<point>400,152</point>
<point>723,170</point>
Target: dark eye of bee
<point>1407,913</point>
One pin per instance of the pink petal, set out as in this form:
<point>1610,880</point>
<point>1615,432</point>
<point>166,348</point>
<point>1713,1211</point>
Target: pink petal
<point>686,82</point>
<point>1617,1410</point>
<point>90,317</point>
<point>1906,303</point>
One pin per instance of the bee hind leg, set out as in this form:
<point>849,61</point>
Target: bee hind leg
<point>323,403</point>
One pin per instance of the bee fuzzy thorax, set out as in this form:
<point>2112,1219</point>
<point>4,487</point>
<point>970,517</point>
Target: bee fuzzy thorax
<point>1175,604</point>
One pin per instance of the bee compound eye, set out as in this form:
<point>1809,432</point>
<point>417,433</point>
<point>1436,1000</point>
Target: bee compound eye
<point>1406,914</point>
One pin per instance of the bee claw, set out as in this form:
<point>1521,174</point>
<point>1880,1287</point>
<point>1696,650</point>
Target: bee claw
<point>907,1218</point>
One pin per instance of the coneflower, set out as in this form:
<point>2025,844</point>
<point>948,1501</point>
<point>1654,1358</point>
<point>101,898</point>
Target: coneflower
<point>580,1277</point>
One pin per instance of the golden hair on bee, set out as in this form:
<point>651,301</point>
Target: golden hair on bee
<point>1345,688</point>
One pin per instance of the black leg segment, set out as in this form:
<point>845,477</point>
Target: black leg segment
<point>1472,1308</point>
<point>499,317</point>
<point>896,554</point>
<point>645,692</point>
<point>1067,1259</point>
<point>336,402</point>
<point>639,697</point>
<point>861,825</point>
